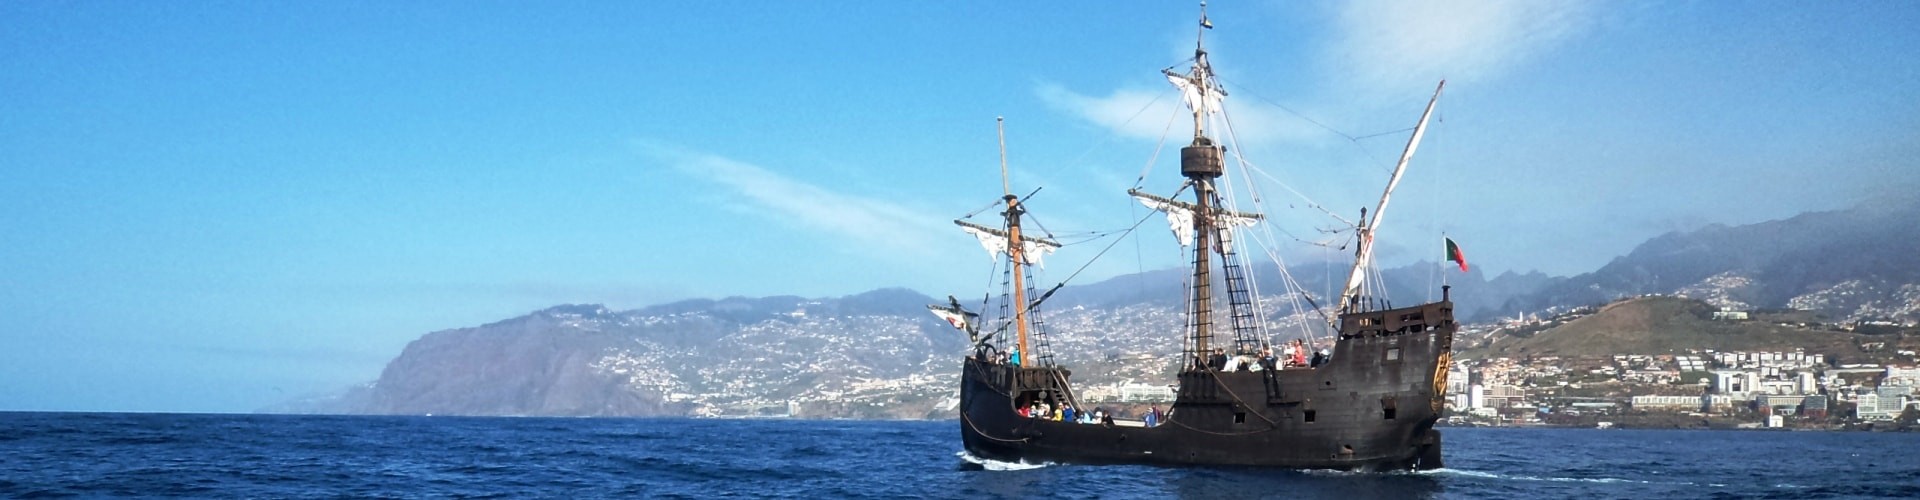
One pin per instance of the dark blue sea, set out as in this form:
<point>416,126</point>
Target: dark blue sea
<point>172,455</point>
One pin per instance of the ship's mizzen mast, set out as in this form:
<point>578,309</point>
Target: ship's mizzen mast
<point>1363,255</point>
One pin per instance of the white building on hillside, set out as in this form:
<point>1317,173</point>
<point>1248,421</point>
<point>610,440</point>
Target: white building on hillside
<point>1884,403</point>
<point>1740,384</point>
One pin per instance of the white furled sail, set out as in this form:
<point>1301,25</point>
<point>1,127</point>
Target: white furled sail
<point>1200,97</point>
<point>1032,250</point>
<point>993,243</point>
<point>1180,216</point>
<point>954,316</point>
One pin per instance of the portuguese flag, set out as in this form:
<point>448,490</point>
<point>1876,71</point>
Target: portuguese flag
<point>1453,254</point>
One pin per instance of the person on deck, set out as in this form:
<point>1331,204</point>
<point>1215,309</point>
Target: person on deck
<point>1219,360</point>
<point>1153,416</point>
<point>1015,357</point>
<point>1299,353</point>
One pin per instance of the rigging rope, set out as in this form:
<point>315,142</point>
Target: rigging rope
<point>1389,132</point>
<point>1253,286</point>
<point>976,430</point>
<point>1246,91</point>
<point>1350,138</point>
<point>1157,147</point>
<point>1043,227</point>
<point>1096,257</point>
<point>1251,167</point>
<point>1267,244</point>
<point>977,211</point>
<point>1109,138</point>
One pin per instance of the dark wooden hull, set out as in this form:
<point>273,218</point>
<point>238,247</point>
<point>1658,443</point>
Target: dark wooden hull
<point>1370,408</point>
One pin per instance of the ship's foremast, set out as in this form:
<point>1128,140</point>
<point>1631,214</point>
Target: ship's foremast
<point>1015,254</point>
<point>1020,250</point>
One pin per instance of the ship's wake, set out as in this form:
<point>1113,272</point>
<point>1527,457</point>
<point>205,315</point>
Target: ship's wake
<point>1521,477</point>
<point>977,463</point>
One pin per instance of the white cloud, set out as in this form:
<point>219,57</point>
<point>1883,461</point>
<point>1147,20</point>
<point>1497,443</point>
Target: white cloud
<point>1381,50</point>
<point>1149,115</point>
<point>1128,112</point>
<point>1396,47</point>
<point>881,227</point>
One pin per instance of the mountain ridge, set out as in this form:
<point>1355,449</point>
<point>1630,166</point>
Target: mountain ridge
<point>1766,265</point>
<point>878,354</point>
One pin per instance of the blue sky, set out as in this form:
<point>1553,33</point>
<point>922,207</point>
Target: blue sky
<point>217,206</point>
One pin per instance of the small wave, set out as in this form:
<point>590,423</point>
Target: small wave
<point>1459,472</point>
<point>1347,473</point>
<point>991,464</point>
<point>1490,475</point>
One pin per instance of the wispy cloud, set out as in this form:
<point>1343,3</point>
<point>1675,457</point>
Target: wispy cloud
<point>1379,49</point>
<point>1147,114</point>
<point>872,224</point>
<point>1373,51</point>
<point>1129,112</point>
<point>1397,47</point>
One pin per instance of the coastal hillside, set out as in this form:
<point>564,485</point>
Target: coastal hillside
<point>1661,325</point>
<point>737,355</point>
<point>880,355</point>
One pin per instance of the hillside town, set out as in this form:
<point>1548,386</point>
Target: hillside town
<point>1756,389</point>
<point>1658,361</point>
<point>1691,387</point>
<point>1687,388</point>
<point>1699,388</point>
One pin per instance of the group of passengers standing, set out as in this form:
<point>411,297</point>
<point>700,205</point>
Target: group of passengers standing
<point>1290,355</point>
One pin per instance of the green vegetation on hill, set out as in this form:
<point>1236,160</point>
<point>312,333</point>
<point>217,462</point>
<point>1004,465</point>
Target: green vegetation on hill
<point>1662,325</point>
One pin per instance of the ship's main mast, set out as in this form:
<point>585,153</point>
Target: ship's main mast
<point>1201,162</point>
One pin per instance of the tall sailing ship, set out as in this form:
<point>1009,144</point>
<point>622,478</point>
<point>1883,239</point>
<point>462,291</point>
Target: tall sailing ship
<point>1368,401</point>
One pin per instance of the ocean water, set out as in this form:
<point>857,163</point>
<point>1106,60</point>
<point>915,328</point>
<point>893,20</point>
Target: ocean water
<point>171,455</point>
